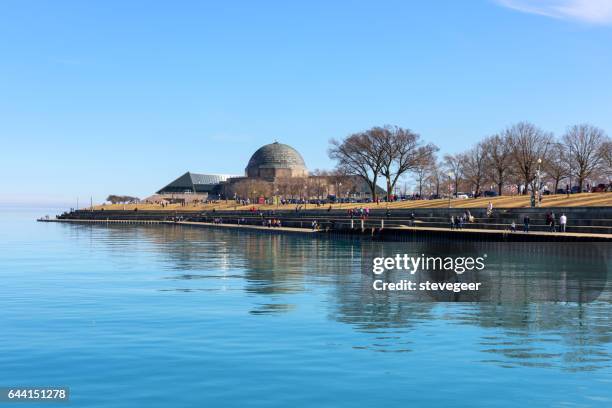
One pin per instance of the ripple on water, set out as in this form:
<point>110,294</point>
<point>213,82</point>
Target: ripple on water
<point>169,316</point>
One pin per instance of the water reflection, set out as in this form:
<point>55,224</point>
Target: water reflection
<point>543,305</point>
<point>570,336</point>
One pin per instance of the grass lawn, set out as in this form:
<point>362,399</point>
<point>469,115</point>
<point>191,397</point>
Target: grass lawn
<point>560,200</point>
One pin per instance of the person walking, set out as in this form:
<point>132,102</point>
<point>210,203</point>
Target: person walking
<point>526,224</point>
<point>562,222</point>
<point>553,228</point>
<point>452,222</point>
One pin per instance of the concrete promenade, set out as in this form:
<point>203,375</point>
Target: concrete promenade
<point>581,220</point>
<point>403,233</point>
<point>513,236</point>
<point>186,223</point>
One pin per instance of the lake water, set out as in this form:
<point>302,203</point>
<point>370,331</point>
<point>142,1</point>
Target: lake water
<point>165,316</point>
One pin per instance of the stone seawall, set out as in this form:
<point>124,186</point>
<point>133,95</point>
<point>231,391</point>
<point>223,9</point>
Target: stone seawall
<point>590,220</point>
<point>373,228</point>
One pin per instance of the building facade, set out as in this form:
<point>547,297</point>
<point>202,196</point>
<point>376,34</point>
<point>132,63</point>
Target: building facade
<point>276,160</point>
<point>275,169</point>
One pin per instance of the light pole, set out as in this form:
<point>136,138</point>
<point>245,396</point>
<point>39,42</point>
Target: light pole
<point>450,179</point>
<point>570,170</point>
<point>539,196</point>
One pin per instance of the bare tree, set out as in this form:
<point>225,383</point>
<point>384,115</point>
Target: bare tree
<point>299,187</point>
<point>556,165</point>
<point>606,153</point>
<point>528,144</point>
<point>342,182</point>
<point>252,189</point>
<point>319,183</point>
<point>586,148</point>
<point>403,152</point>
<point>282,187</point>
<point>421,173</point>
<point>435,177</point>
<point>453,165</point>
<point>474,167</point>
<point>360,154</point>
<point>499,160</point>
<point>122,199</point>
<point>239,189</point>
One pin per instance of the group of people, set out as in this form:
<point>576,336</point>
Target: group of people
<point>272,222</point>
<point>459,221</point>
<point>526,222</point>
<point>316,226</point>
<point>552,223</point>
<point>359,212</point>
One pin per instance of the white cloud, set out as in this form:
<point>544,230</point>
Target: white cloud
<point>590,11</point>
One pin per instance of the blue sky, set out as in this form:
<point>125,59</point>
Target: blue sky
<point>122,97</point>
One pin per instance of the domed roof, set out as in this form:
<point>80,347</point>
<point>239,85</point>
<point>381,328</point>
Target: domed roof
<point>276,156</point>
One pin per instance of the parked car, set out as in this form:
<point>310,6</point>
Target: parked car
<point>600,188</point>
<point>576,190</point>
<point>490,193</point>
<point>463,196</point>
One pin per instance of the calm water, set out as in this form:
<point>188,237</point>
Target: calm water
<point>169,316</point>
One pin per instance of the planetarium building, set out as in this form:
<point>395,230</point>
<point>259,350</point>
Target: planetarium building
<point>276,160</point>
<point>272,163</point>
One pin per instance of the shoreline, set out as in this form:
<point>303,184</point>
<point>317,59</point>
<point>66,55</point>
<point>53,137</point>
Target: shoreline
<point>391,234</point>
